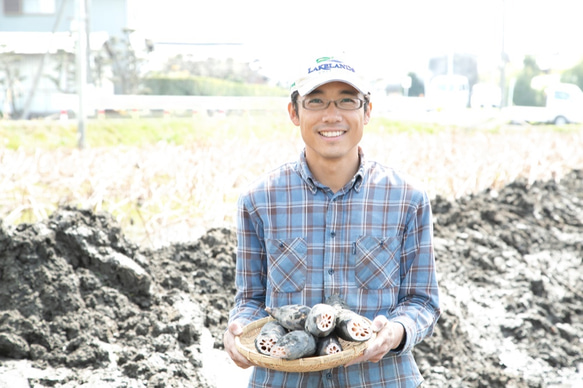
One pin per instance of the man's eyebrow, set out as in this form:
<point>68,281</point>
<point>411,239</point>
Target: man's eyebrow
<point>345,91</point>
<point>315,92</point>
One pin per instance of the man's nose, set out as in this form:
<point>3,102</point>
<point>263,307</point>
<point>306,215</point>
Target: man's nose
<point>332,112</point>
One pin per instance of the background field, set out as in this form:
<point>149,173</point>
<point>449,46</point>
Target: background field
<point>169,180</point>
<point>509,265</point>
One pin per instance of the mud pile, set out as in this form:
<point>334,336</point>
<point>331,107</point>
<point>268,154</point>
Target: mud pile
<point>75,294</point>
<point>511,273</point>
<point>80,300</point>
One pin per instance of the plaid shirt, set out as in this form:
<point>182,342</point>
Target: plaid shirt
<point>370,243</point>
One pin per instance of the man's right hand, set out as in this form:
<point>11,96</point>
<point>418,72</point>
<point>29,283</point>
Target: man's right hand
<point>234,330</point>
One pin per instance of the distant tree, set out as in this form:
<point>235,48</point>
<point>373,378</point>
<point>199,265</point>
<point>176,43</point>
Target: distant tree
<point>225,69</point>
<point>125,62</point>
<point>187,85</point>
<point>574,75</point>
<point>64,70</point>
<point>524,94</point>
<point>10,80</point>
<point>417,88</point>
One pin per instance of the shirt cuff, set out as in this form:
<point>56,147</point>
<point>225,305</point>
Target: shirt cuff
<point>406,343</point>
<point>403,340</point>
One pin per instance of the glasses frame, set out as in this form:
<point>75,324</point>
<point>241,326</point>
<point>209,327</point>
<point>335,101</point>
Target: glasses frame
<point>328,102</point>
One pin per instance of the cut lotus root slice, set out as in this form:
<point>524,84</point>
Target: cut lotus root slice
<point>270,333</point>
<point>321,320</point>
<point>352,327</point>
<point>264,344</point>
<point>328,345</point>
<point>332,348</point>
<point>326,322</point>
<point>279,352</point>
<point>360,329</point>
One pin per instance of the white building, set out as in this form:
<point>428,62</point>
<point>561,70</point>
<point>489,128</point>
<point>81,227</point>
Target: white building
<point>38,52</point>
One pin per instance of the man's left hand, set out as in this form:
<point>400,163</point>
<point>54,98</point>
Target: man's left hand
<point>389,336</point>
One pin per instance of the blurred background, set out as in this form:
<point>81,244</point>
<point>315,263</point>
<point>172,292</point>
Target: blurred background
<point>84,58</point>
<point>185,104</point>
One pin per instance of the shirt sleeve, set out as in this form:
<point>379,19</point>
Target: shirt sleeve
<point>251,272</point>
<point>418,307</point>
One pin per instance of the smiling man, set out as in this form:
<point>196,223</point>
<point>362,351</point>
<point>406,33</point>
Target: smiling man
<point>331,124</point>
<point>333,223</point>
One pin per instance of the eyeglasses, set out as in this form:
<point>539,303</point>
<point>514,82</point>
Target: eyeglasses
<point>345,103</point>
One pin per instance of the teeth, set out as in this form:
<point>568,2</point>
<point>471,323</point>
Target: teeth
<point>331,133</point>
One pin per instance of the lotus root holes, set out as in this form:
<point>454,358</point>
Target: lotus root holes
<point>326,322</point>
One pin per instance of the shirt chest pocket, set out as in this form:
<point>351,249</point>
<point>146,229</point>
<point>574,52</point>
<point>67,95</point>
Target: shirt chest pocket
<point>377,262</point>
<point>286,259</point>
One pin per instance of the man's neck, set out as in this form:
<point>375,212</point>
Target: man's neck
<point>333,173</point>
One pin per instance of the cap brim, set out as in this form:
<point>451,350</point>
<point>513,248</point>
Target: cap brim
<point>313,83</point>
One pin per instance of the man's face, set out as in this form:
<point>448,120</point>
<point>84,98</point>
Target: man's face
<point>332,134</point>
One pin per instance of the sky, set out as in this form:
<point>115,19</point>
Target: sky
<point>385,38</point>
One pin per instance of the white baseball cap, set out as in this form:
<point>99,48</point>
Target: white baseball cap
<point>328,69</point>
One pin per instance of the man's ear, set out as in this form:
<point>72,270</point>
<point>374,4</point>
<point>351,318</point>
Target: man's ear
<point>367,113</point>
<point>293,115</point>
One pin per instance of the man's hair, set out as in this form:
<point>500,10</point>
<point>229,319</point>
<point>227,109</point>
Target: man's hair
<point>296,94</point>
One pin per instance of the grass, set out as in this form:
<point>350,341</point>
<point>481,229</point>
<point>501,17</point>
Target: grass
<point>50,135</point>
<point>168,180</point>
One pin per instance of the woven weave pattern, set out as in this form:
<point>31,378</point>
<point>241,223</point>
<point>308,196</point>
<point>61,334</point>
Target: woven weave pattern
<point>246,346</point>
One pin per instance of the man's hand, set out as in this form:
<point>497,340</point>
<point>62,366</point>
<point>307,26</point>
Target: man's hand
<point>235,329</point>
<point>389,336</point>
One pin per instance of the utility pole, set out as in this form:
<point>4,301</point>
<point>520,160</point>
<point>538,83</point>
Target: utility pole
<point>503,60</point>
<point>81,64</point>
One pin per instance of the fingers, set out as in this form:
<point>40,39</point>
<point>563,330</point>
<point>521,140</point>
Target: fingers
<point>374,352</point>
<point>379,323</point>
<point>386,339</point>
<point>234,330</point>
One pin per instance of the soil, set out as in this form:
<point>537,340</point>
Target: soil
<point>80,305</point>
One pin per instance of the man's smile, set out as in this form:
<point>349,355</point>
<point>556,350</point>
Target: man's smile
<point>331,133</point>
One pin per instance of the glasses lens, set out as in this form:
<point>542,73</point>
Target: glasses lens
<point>315,104</point>
<point>343,103</point>
<point>349,103</point>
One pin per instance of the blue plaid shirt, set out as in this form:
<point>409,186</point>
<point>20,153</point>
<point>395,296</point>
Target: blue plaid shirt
<point>370,243</point>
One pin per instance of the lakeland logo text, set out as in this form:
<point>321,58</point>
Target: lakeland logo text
<point>330,66</point>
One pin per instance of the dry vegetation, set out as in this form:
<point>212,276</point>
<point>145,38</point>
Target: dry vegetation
<point>166,192</point>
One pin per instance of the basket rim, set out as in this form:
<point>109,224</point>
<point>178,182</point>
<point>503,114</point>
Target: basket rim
<point>307,364</point>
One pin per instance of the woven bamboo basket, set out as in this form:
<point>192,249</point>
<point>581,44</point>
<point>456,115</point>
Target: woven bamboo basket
<point>246,345</point>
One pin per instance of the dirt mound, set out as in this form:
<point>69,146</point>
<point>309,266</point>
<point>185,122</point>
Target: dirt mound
<point>77,297</point>
<point>76,294</point>
<point>510,266</point>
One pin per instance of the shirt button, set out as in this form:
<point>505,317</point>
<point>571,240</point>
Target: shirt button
<point>329,376</point>
<point>333,234</point>
<point>330,271</point>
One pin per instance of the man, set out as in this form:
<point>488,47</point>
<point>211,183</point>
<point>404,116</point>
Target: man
<point>333,223</point>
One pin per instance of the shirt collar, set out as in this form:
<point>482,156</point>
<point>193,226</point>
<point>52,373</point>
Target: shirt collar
<point>313,184</point>
<point>359,176</point>
<point>305,172</point>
